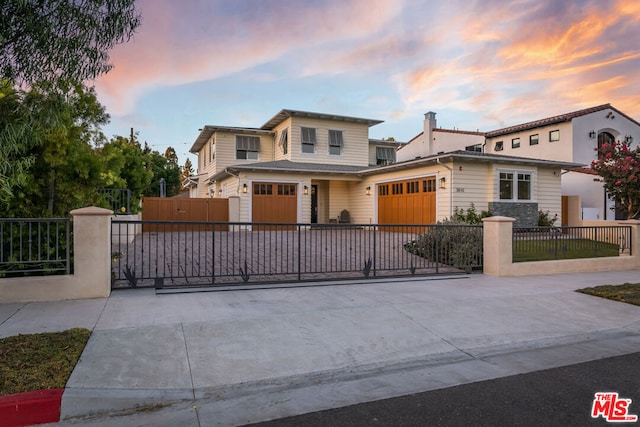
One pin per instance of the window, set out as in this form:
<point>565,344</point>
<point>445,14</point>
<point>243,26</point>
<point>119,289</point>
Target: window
<point>383,190</point>
<point>335,142</point>
<point>533,139</point>
<point>308,140</point>
<point>286,189</point>
<point>428,185</point>
<point>524,186</point>
<point>498,146</point>
<point>247,147</point>
<point>263,189</point>
<point>520,188</point>
<point>413,187</point>
<point>284,140</point>
<point>212,151</point>
<point>554,135</point>
<point>385,156</point>
<point>396,188</point>
<point>475,148</point>
<point>515,143</point>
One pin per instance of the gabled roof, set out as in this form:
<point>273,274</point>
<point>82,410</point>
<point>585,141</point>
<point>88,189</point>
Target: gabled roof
<point>567,117</point>
<point>470,156</point>
<point>284,114</point>
<point>360,171</point>
<point>291,167</point>
<point>208,130</point>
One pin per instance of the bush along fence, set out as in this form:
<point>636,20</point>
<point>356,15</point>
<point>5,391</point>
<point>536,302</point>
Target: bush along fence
<point>168,254</point>
<point>35,247</point>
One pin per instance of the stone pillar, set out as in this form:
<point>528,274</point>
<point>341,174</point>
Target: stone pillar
<point>498,245</point>
<point>92,250</point>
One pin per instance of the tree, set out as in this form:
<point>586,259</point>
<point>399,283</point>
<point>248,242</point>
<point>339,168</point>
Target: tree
<point>63,171</point>
<point>186,171</point>
<point>44,40</point>
<point>125,166</point>
<point>619,167</point>
<point>163,168</point>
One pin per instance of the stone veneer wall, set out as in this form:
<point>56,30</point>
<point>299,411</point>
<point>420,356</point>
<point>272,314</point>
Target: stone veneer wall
<point>525,214</point>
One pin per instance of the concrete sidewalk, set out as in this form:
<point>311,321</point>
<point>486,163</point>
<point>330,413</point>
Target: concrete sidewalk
<point>231,358</point>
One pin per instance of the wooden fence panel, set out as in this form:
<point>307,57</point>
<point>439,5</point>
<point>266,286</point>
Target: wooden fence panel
<point>180,209</point>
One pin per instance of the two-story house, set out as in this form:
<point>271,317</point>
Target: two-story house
<point>293,155</point>
<point>310,167</point>
<point>572,137</point>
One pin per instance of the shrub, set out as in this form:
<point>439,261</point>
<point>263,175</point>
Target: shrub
<point>545,220</point>
<point>450,242</point>
<point>470,216</point>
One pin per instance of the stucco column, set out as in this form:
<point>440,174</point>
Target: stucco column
<point>635,238</point>
<point>92,250</point>
<point>498,245</point>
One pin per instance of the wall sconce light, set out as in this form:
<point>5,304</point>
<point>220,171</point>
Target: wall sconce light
<point>443,182</point>
<point>628,139</point>
<point>592,134</point>
<point>368,192</point>
<point>305,190</point>
<point>244,188</point>
<point>220,191</point>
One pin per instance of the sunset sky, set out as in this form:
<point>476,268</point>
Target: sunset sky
<point>480,65</point>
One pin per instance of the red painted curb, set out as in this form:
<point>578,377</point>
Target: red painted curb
<point>33,407</point>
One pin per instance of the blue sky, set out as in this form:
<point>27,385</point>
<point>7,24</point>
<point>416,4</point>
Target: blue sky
<point>480,65</point>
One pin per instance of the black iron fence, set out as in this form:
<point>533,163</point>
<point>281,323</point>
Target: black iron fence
<point>35,246</point>
<point>118,199</point>
<point>551,243</point>
<point>165,254</point>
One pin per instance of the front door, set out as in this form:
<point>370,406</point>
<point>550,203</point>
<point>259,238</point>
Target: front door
<point>314,204</point>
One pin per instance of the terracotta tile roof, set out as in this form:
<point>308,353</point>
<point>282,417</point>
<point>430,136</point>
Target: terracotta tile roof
<point>567,117</point>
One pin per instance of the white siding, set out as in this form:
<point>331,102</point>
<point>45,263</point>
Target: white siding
<point>355,137</point>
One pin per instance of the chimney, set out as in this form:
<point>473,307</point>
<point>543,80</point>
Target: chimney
<point>429,125</point>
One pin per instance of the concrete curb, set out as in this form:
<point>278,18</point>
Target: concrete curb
<point>33,407</point>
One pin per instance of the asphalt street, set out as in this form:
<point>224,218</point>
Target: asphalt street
<point>554,397</point>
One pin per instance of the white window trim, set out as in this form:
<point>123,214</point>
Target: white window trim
<point>515,173</point>
<point>341,133</point>
<point>315,143</point>
<point>248,151</point>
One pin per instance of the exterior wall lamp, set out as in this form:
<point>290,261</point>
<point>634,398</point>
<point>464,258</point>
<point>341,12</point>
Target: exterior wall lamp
<point>244,188</point>
<point>628,139</point>
<point>592,134</point>
<point>443,182</point>
<point>368,191</point>
<point>305,190</point>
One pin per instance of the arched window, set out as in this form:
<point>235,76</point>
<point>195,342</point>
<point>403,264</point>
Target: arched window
<point>605,138</point>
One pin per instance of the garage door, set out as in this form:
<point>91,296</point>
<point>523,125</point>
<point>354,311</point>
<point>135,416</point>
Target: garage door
<point>274,202</point>
<point>407,202</point>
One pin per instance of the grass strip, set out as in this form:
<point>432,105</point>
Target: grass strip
<point>546,250</point>
<point>39,361</point>
<point>627,292</point>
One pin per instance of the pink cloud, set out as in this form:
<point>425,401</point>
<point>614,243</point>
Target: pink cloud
<point>183,42</point>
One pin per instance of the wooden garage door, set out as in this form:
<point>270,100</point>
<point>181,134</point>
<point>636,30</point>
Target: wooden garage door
<point>274,202</point>
<point>407,202</point>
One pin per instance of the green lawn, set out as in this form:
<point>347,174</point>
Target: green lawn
<point>550,249</point>
<point>39,361</point>
<point>628,292</point>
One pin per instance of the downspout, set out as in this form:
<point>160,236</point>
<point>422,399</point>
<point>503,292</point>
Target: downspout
<point>450,186</point>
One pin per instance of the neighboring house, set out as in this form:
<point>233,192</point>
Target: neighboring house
<point>572,137</point>
<point>309,167</point>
